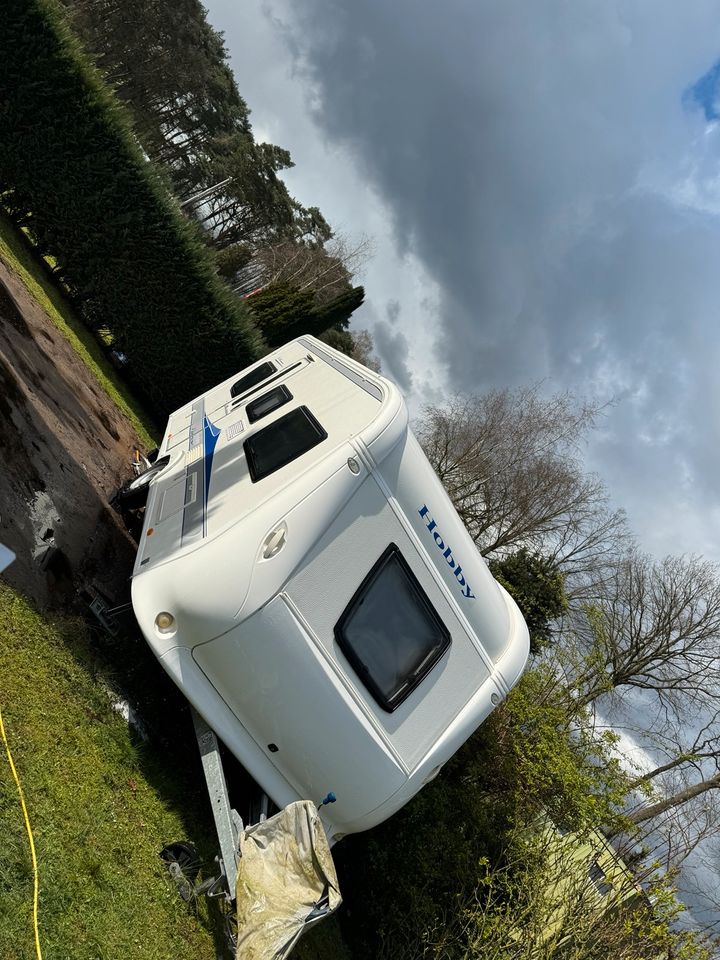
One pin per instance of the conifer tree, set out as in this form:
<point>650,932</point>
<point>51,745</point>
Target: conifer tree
<point>337,313</point>
<point>283,313</point>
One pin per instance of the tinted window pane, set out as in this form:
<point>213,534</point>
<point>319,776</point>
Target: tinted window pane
<point>267,403</point>
<point>251,379</point>
<point>390,632</point>
<point>281,442</point>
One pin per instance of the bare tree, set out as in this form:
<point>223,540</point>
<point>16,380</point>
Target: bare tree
<point>665,839</point>
<point>650,811</point>
<point>511,463</point>
<point>687,747</point>
<point>701,887</point>
<point>677,801</point>
<point>326,270</point>
<point>364,349</point>
<point>656,629</point>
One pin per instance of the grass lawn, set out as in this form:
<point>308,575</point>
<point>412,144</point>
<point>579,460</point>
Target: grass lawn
<point>100,806</point>
<point>14,252</point>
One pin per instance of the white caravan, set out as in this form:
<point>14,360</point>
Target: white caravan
<point>305,580</point>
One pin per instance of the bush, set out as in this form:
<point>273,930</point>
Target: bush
<point>416,874</point>
<point>538,588</point>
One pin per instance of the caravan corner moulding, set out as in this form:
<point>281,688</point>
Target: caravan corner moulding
<point>305,580</point>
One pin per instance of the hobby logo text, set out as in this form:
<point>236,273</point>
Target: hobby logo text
<point>447,553</point>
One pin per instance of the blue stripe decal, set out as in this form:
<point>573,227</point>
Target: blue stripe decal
<point>210,436</point>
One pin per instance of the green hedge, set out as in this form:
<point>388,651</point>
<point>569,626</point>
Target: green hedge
<point>73,173</point>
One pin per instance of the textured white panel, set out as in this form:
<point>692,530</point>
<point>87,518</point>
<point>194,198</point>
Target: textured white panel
<point>324,586</point>
<point>283,691</point>
<point>172,500</point>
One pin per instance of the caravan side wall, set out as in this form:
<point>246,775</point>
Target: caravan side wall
<point>255,644</point>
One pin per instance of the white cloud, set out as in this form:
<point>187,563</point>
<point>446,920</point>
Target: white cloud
<point>543,206</point>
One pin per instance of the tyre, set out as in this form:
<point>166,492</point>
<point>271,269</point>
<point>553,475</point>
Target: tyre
<point>135,493</point>
<point>185,856</point>
<point>182,862</point>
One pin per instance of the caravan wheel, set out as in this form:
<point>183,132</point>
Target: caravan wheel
<point>185,856</point>
<point>135,493</point>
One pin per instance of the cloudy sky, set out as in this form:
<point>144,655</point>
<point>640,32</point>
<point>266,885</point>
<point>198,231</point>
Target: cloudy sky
<point>543,187</point>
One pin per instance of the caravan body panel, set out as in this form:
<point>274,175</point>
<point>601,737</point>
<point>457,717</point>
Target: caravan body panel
<point>258,574</point>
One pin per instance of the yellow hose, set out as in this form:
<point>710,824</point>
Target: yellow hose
<point>30,837</point>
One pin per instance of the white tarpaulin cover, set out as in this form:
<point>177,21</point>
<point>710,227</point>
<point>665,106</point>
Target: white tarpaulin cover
<point>285,870</point>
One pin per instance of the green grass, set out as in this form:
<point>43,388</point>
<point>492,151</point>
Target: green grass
<point>99,804</point>
<point>14,252</point>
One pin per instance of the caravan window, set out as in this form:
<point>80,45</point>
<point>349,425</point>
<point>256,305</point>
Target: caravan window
<point>390,632</point>
<point>254,377</point>
<point>281,442</point>
<point>268,402</point>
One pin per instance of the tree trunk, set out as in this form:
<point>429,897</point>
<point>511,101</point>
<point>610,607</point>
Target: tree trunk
<point>670,765</point>
<point>676,800</point>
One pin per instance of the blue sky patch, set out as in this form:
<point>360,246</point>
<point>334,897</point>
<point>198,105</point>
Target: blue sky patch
<point>705,93</point>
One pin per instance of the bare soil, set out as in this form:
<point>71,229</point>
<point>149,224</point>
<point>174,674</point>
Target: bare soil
<point>65,448</point>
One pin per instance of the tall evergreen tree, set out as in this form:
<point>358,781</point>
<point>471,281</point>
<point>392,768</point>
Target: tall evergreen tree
<point>337,313</point>
<point>71,167</point>
<point>279,310</point>
<point>171,68</point>
<point>283,313</point>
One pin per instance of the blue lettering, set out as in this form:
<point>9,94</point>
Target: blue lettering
<point>431,524</point>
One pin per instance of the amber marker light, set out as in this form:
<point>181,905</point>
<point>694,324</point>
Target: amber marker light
<point>165,622</point>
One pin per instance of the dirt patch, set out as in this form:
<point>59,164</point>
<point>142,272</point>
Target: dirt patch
<point>65,449</point>
<point>10,313</point>
<point>48,336</point>
<point>106,423</point>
